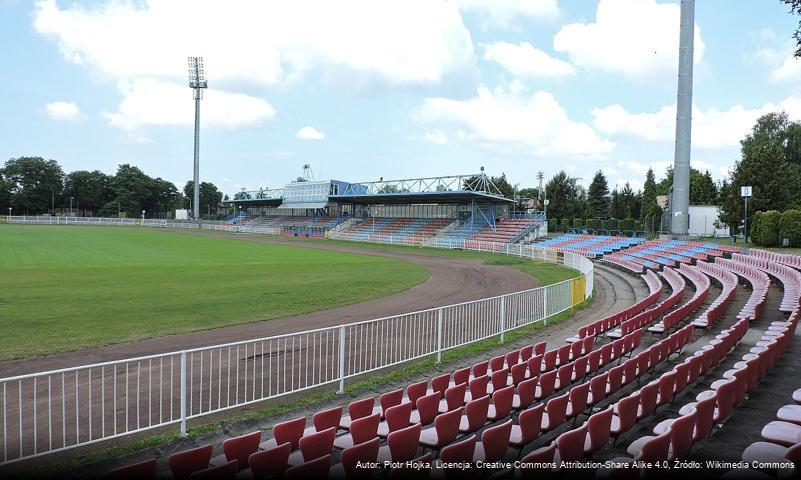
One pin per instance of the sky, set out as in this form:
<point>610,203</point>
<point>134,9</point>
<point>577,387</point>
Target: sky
<point>368,88</point>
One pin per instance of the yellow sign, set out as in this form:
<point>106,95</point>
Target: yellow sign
<point>578,288</point>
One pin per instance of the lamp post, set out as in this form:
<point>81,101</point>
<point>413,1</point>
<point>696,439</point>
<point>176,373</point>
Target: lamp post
<point>70,205</point>
<point>197,82</point>
<point>745,192</point>
<point>52,201</point>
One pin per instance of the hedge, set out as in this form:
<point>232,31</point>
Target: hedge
<point>764,229</point>
<point>790,227</point>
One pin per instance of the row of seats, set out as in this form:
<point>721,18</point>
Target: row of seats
<point>648,316</point>
<point>599,328</point>
<point>400,229</point>
<point>790,278</point>
<point>759,286</point>
<point>728,285</point>
<point>589,245</point>
<point>701,284</point>
<point>506,230</point>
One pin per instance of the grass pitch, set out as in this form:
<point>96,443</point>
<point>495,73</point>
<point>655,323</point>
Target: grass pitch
<point>67,288</point>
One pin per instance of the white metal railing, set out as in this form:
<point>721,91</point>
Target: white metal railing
<point>56,410</point>
<point>265,229</point>
<point>99,221</point>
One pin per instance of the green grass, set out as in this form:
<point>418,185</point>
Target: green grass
<point>67,288</point>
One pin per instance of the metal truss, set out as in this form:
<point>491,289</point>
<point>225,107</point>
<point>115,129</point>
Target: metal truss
<point>261,194</point>
<point>479,183</point>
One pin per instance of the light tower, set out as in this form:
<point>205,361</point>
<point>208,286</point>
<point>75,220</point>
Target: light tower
<point>680,198</point>
<point>197,82</point>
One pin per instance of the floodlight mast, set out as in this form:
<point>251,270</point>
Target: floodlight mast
<point>197,82</point>
<point>680,200</point>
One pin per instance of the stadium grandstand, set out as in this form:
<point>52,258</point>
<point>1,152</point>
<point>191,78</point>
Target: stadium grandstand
<point>415,211</point>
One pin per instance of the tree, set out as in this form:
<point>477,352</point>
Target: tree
<point>562,192</point>
<point>90,190</point>
<point>616,207</point>
<point>598,196</point>
<point>703,190</point>
<point>36,184</point>
<point>5,193</point>
<point>650,208</point>
<point>503,185</point>
<point>764,165</point>
<point>132,191</point>
<point>210,195</point>
<point>795,8</point>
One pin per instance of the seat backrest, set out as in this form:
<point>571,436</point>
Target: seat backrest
<point>270,462</point>
<point>364,429</point>
<point>534,365</point>
<point>539,348</point>
<point>629,370</point>
<point>706,417</point>
<point>598,387</point>
<point>317,468</point>
<point>578,398</point>
<point>594,361</point>
<point>648,394</point>
<point>240,448</point>
<point>397,417</point>
<point>726,398</point>
<point>403,443</point>
<point>526,392</point>
<point>390,399</point>
<point>526,352</point>
<point>145,470</point>
<point>454,396</point>
<point>541,455</point>
<point>681,438</point>
<point>290,431</point>
<point>512,358</point>
<point>496,363</point>
<point>461,451</point>
<point>447,425</point>
<point>478,386</point>
<point>226,471</point>
<point>495,441</point>
<point>182,464</point>
<point>502,400</point>
<point>666,383</point>
<point>615,379</point>
<point>361,408</point>
<point>476,412</point>
<point>518,372</point>
<point>325,419</point>
<point>480,369</point>
<point>365,452</point>
<point>627,411</point>
<point>416,390</point>
<point>530,421</point>
<point>427,407</point>
<point>549,360</point>
<point>557,410</point>
<point>682,377</point>
<point>461,376</point>
<point>319,444</point>
<point>599,429</point>
<point>440,383</point>
<point>565,373</point>
<point>563,353</point>
<point>546,382</point>
<point>655,449</point>
<point>571,444</point>
<point>499,378</point>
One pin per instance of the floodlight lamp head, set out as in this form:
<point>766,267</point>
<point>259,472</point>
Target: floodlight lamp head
<point>197,75</point>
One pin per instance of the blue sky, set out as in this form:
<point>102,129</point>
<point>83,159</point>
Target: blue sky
<point>368,89</point>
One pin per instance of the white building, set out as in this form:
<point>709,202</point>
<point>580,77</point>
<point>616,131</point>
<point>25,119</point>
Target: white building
<point>705,222</point>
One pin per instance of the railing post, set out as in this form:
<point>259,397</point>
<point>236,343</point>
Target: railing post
<point>503,317</point>
<point>341,359</point>
<point>439,336</point>
<point>545,304</point>
<point>183,393</point>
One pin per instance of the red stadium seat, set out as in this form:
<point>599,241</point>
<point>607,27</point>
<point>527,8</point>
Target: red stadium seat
<point>526,392</point>
<point>270,462</point>
<point>475,414</point>
<point>555,412</point>
<point>396,417</point>
<point>445,429</point>
<point>528,427</point>
<point>401,444</point>
<point>454,398</point>
<point>182,464</point>
<point>145,470</point>
<point>570,445</point>
<point>317,468</point>
<point>226,471</point>
<point>358,409</point>
<point>238,448</point>
<point>599,427</point>
<point>501,403</point>
<point>361,430</point>
<point>286,432</point>
<point>314,446</point>
<point>366,452</point>
<point>494,443</point>
<point>427,409</point>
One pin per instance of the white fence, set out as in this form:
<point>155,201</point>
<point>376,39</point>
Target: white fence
<point>265,229</point>
<point>99,221</point>
<point>52,411</point>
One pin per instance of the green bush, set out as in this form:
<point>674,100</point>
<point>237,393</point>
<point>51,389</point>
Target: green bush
<point>790,227</point>
<point>612,224</point>
<point>764,230</point>
<point>594,223</point>
<point>552,225</point>
<point>627,224</point>
<point>565,224</point>
<point>578,223</point>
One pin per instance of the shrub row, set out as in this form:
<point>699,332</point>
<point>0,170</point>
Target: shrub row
<point>769,229</point>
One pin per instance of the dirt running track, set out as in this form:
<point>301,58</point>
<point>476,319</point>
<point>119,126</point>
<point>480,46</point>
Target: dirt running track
<point>452,280</point>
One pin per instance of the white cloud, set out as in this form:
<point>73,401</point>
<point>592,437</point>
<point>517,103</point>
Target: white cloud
<point>137,138</point>
<point>415,42</point>
<point>436,136</point>
<point>502,12</point>
<point>526,61</point>
<point>788,71</point>
<point>64,111</point>
<point>712,128</point>
<point>310,133</point>
<point>536,125</point>
<point>160,103</point>
<point>638,38</point>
